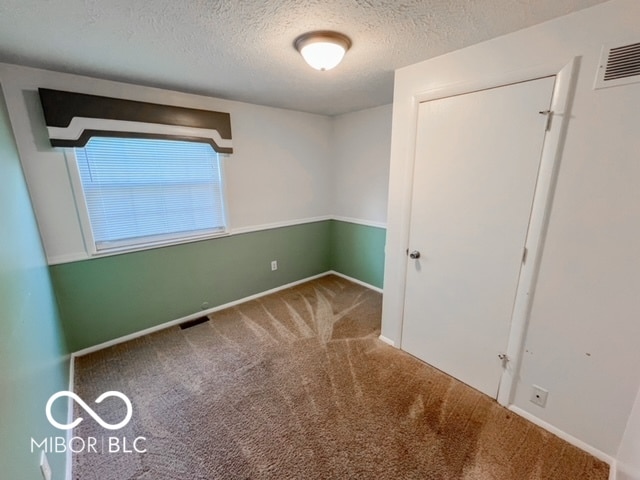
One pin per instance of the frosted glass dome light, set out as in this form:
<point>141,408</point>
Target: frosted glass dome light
<point>322,50</point>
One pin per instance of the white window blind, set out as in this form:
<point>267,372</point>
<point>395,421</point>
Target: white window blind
<point>146,191</point>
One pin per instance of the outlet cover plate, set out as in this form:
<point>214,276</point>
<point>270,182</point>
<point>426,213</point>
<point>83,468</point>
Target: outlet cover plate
<point>539,396</point>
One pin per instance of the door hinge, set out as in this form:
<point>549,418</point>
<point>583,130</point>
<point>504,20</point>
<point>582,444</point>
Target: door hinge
<point>549,114</point>
<point>525,252</point>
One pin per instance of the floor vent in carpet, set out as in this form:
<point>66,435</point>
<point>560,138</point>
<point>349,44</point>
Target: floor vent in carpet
<point>193,323</point>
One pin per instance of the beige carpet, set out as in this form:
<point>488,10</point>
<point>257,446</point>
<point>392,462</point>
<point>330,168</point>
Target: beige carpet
<point>296,385</point>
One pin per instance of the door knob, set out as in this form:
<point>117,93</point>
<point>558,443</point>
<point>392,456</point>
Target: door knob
<point>415,254</point>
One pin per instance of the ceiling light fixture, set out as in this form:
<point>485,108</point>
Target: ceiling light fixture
<point>323,50</point>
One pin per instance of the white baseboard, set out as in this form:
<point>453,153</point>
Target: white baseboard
<point>68,474</point>
<point>193,316</point>
<point>354,280</point>
<point>386,340</point>
<point>600,455</point>
<point>613,470</point>
<point>202,313</point>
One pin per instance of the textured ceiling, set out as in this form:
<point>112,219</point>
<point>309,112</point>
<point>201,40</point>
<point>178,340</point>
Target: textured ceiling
<point>243,50</point>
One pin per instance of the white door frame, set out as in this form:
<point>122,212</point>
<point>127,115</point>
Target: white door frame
<point>566,76</point>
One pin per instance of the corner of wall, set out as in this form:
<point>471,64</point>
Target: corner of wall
<point>33,353</point>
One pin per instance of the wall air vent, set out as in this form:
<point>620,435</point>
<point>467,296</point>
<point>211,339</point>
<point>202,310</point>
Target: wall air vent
<point>619,65</point>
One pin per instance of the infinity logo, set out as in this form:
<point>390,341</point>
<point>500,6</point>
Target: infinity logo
<point>88,409</point>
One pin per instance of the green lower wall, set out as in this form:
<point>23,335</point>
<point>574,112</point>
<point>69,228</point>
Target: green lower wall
<point>358,251</point>
<point>33,358</point>
<point>106,298</point>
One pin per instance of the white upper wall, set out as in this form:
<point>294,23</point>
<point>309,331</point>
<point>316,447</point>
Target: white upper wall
<point>279,172</point>
<point>362,141</point>
<point>584,335</point>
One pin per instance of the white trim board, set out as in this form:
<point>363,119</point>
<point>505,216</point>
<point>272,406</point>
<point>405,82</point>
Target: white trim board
<point>79,256</point>
<point>568,438</point>
<point>193,316</point>
<point>78,125</point>
<point>538,223</point>
<point>271,226</point>
<point>359,221</point>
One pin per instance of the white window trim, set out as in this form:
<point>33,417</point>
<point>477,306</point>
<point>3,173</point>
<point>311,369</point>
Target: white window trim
<point>166,240</point>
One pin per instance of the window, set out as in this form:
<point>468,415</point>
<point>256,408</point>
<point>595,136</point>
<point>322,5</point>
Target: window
<point>143,192</point>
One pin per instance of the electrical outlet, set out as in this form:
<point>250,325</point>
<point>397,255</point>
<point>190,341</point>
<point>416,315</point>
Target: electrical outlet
<point>44,466</point>
<point>539,396</point>
<point>274,265</point>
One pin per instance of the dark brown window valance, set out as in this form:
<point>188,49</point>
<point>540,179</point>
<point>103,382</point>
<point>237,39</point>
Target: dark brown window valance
<point>73,118</point>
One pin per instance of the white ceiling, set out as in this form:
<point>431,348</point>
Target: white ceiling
<point>243,50</point>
